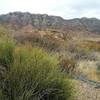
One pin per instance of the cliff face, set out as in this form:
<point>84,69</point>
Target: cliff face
<point>43,21</point>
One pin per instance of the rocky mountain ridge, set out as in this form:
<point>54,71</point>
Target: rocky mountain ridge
<point>18,20</point>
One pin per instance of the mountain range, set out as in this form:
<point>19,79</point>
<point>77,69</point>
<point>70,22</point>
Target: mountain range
<point>19,20</point>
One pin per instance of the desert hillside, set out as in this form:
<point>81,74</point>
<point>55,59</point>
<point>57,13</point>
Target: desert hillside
<point>46,57</point>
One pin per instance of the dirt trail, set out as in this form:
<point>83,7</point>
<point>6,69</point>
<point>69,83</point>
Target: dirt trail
<point>87,91</point>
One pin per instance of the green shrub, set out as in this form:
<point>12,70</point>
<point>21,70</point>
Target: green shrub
<point>1,98</point>
<point>98,70</point>
<point>4,31</point>
<point>7,46</point>
<point>1,95</point>
<point>35,75</point>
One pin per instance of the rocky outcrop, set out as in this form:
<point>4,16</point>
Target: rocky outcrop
<point>36,20</point>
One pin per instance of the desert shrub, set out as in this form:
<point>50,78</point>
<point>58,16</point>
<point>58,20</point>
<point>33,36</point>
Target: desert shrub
<point>84,54</point>
<point>1,98</point>
<point>35,75</point>
<point>90,45</point>
<point>29,37</point>
<point>51,43</point>
<point>71,47</point>
<point>1,95</point>
<point>68,64</point>
<point>48,42</point>
<point>98,70</point>
<point>80,52</point>
<point>4,31</point>
<point>7,46</point>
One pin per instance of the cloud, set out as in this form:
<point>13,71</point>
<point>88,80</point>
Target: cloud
<point>80,8</point>
<point>65,8</point>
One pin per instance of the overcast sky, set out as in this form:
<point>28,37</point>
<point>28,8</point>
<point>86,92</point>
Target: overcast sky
<point>66,8</point>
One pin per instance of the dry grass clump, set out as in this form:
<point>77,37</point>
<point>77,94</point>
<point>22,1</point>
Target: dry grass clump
<point>68,64</point>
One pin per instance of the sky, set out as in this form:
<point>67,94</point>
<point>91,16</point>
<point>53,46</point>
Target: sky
<point>67,9</point>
